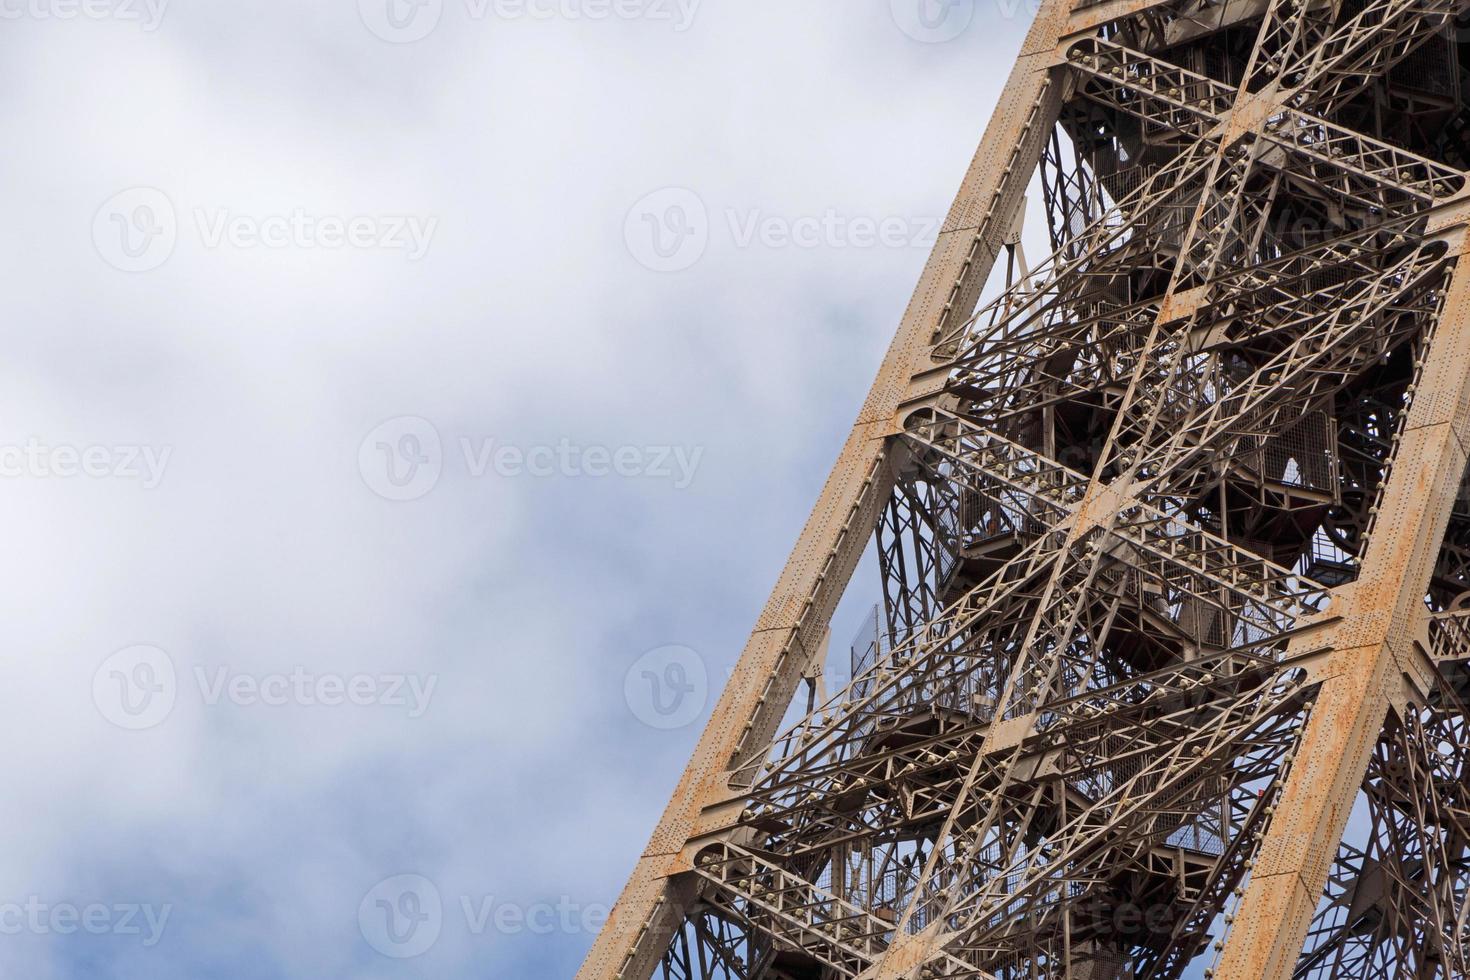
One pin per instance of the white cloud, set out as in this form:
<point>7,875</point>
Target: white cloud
<point>527,321</point>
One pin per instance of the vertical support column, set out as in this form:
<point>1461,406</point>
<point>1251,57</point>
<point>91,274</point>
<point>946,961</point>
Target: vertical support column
<point>788,631</point>
<point>1372,649</point>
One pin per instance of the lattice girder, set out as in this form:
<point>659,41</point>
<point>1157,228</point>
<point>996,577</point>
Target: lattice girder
<point>1175,568</point>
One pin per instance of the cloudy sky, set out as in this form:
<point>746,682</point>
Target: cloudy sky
<point>390,392</point>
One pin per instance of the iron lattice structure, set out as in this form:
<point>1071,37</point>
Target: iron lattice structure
<point>1171,671</point>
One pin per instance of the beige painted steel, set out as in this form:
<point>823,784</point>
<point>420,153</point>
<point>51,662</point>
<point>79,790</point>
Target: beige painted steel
<point>1366,651</point>
<point>1373,650</point>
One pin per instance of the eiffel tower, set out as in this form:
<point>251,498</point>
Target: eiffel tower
<point>1171,670</point>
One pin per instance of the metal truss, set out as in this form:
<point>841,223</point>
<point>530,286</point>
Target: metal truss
<point>1169,671</point>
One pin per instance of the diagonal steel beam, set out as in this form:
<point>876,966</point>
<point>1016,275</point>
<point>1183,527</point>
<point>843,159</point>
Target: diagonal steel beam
<point>1372,648</point>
